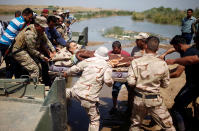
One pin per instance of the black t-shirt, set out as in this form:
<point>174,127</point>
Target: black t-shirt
<point>192,71</point>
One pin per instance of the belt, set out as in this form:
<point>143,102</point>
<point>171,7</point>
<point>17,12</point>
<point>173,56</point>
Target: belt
<point>146,96</point>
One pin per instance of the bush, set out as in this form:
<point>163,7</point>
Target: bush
<point>163,15</point>
<point>114,30</point>
<point>138,16</point>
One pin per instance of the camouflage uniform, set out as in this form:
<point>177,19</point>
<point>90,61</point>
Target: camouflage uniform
<point>64,31</point>
<point>148,74</point>
<point>87,88</point>
<point>26,47</point>
<point>47,41</point>
<point>60,29</point>
<point>63,58</point>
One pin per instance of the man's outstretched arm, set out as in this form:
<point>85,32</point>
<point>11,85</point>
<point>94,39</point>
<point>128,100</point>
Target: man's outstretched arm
<point>188,60</point>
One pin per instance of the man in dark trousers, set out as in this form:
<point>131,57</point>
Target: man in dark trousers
<point>187,31</point>
<point>7,39</point>
<point>190,90</point>
<point>117,49</point>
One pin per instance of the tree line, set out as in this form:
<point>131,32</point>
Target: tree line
<point>163,15</point>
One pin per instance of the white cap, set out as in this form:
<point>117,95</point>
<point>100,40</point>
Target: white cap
<point>141,35</point>
<point>101,52</point>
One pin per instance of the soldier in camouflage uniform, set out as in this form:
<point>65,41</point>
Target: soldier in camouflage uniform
<point>59,26</point>
<point>28,43</point>
<point>95,72</point>
<point>146,75</point>
<point>67,55</point>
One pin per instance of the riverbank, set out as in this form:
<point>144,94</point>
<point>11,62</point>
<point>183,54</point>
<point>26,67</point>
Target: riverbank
<point>163,15</point>
<point>121,34</point>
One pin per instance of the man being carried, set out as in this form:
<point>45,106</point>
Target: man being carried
<point>65,56</point>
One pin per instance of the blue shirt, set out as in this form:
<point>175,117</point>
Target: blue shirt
<point>52,35</point>
<point>186,24</point>
<point>70,18</point>
<point>12,30</point>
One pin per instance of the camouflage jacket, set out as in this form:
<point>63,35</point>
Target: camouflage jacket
<point>60,29</point>
<point>64,31</point>
<point>28,39</point>
<point>63,58</point>
<point>148,74</point>
<point>95,72</point>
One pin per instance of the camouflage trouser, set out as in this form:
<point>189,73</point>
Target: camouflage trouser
<point>158,111</point>
<point>91,109</point>
<point>25,60</point>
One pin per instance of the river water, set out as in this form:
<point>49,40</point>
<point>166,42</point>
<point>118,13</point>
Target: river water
<point>98,25</point>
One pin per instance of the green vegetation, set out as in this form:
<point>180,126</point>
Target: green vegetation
<point>138,16</point>
<point>121,34</point>
<point>163,15</point>
<point>116,31</point>
<point>103,13</point>
<point>196,13</point>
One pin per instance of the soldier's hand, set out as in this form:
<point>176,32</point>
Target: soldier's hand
<point>170,61</point>
<point>162,57</point>
<point>52,54</point>
<point>46,59</point>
